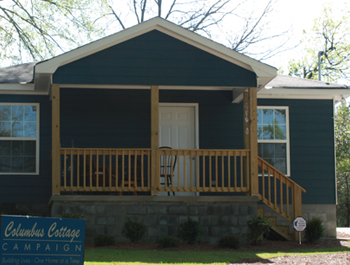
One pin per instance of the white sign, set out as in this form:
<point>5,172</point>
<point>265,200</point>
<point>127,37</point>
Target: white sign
<point>299,224</point>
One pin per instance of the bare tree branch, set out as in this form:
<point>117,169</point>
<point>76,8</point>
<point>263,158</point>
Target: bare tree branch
<point>248,31</point>
<point>143,10</point>
<point>117,17</point>
<point>212,10</point>
<point>200,16</point>
<point>170,11</point>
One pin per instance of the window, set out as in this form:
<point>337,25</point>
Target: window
<point>273,137</point>
<point>19,138</point>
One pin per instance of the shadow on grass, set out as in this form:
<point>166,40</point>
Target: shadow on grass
<point>200,257</point>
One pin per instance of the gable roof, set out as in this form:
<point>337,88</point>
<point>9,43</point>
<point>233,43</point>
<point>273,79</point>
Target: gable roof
<point>38,75</point>
<point>41,72</point>
<point>264,72</point>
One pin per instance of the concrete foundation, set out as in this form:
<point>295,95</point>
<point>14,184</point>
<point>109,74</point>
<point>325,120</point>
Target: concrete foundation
<point>219,216</point>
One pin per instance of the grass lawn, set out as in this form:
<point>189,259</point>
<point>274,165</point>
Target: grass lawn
<point>149,257</point>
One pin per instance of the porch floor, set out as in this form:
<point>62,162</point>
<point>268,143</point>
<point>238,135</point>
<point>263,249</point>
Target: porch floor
<point>110,198</point>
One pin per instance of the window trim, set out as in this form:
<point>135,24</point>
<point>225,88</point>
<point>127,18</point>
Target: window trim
<point>37,138</point>
<point>287,141</point>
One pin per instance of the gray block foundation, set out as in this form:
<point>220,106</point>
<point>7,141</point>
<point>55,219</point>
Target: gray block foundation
<point>219,216</point>
<point>327,212</point>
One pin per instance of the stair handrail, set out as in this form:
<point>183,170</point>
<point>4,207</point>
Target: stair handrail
<point>296,192</point>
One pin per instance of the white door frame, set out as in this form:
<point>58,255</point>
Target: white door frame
<point>196,121</point>
<point>196,118</point>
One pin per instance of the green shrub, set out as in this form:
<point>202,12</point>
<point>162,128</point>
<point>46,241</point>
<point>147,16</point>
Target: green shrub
<point>190,231</point>
<point>134,230</point>
<point>104,240</point>
<point>314,229</point>
<point>168,242</point>
<point>229,241</point>
<point>72,215</point>
<point>258,227</point>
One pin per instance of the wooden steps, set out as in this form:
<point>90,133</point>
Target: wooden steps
<point>282,230</point>
<point>281,194</point>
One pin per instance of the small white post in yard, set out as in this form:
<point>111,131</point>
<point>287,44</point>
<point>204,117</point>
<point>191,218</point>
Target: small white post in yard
<point>299,225</point>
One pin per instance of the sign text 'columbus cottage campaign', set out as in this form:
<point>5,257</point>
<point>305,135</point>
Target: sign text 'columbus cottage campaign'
<point>35,240</point>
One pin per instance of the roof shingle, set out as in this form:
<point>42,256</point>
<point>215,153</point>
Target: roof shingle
<point>18,73</point>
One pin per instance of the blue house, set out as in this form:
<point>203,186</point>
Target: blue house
<point>160,124</point>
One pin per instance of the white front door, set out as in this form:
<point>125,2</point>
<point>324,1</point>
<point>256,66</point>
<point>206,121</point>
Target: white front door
<point>177,130</point>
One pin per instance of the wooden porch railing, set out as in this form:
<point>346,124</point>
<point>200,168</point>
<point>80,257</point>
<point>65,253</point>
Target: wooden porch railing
<point>206,170</point>
<point>105,170</point>
<point>279,192</point>
<point>129,170</point>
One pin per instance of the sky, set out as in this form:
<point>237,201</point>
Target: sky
<point>298,15</point>
<point>301,15</point>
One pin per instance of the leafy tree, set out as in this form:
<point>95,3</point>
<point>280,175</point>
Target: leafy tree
<point>39,29</point>
<point>342,143</point>
<point>330,36</point>
<point>36,30</point>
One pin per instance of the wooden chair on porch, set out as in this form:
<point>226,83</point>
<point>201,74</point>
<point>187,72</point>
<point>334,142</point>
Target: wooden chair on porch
<point>167,167</point>
<point>96,175</point>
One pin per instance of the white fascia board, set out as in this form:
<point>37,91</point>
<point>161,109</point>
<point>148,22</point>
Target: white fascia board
<point>264,77</point>
<point>17,87</point>
<point>304,93</point>
<point>166,27</point>
<point>23,92</point>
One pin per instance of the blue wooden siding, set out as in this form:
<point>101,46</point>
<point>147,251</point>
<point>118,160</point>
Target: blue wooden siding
<point>105,118</point>
<point>121,118</point>
<point>154,58</point>
<point>31,188</point>
<point>311,147</point>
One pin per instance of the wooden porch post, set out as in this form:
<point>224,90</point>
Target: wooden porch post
<point>55,90</point>
<point>246,118</point>
<point>246,137</point>
<point>155,166</point>
<point>253,141</point>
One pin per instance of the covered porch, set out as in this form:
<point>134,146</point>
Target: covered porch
<point>193,172</point>
<point>121,171</point>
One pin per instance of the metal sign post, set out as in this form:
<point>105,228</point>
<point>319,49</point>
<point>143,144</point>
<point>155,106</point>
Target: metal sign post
<point>299,225</point>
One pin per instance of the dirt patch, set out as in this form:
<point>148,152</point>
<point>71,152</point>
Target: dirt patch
<point>322,259</point>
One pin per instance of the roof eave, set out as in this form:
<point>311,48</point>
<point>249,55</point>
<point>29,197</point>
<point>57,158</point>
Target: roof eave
<point>306,93</point>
